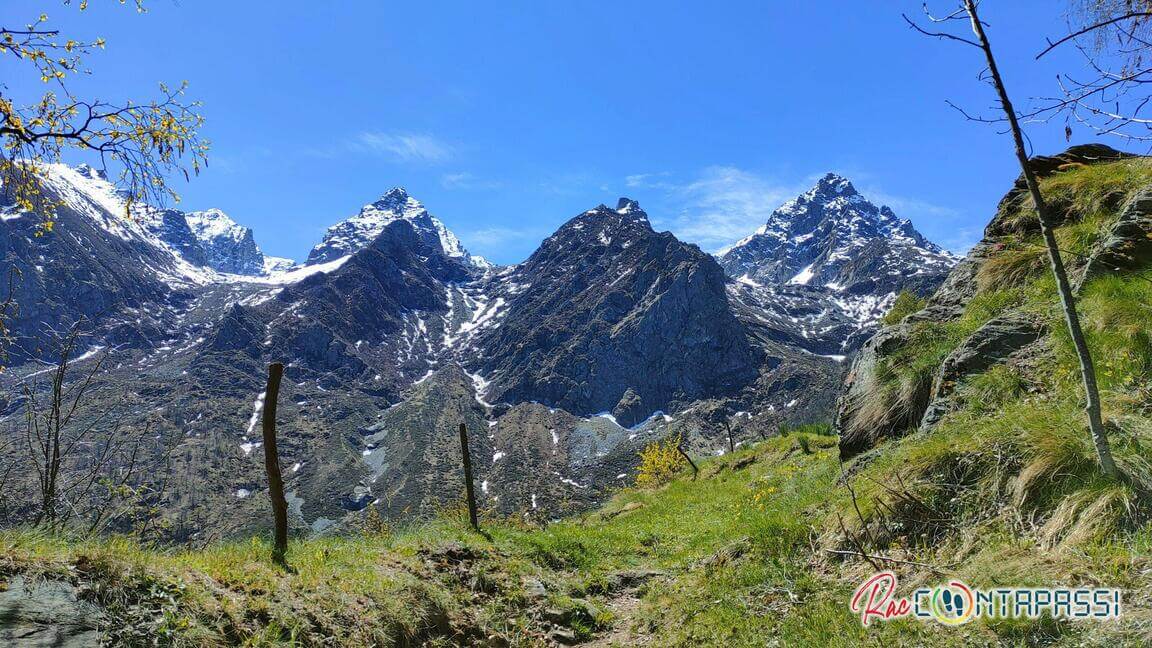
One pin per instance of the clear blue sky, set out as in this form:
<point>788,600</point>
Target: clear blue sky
<point>507,118</point>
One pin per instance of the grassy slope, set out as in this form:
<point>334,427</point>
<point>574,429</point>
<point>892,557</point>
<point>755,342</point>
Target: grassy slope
<point>737,550</point>
<point>1004,491</point>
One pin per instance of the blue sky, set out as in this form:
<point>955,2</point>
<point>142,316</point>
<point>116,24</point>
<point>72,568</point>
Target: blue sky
<point>508,118</point>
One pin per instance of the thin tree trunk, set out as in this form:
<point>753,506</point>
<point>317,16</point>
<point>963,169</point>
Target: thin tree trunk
<point>731,443</point>
<point>695,470</point>
<point>272,465</point>
<point>1067,300</point>
<point>472,517</point>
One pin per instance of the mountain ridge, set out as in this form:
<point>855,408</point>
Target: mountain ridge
<point>609,335</point>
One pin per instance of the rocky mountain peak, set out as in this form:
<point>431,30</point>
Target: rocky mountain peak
<point>628,206</point>
<point>91,172</point>
<point>834,184</point>
<point>396,202</point>
<point>598,229</point>
<point>833,238</point>
<point>228,247</point>
<point>357,232</point>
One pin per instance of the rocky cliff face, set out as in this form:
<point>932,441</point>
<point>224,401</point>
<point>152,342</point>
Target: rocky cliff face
<point>589,320</point>
<point>227,246</point>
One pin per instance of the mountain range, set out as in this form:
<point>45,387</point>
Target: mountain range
<point>608,336</point>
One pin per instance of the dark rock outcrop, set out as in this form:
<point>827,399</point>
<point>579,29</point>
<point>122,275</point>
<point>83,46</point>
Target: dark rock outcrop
<point>613,316</point>
<point>1128,244</point>
<point>991,344</point>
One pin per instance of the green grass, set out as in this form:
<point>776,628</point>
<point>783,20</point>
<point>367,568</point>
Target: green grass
<point>1081,192</point>
<point>741,550</point>
<point>906,303</point>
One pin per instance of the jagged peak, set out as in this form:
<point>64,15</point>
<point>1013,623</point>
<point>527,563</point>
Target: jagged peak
<point>212,220</point>
<point>355,233</point>
<point>88,171</point>
<point>394,198</point>
<point>627,212</point>
<point>628,206</point>
<point>834,183</point>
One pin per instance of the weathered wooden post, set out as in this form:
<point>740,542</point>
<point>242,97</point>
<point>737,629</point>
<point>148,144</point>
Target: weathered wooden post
<point>731,443</point>
<point>695,470</point>
<point>468,477</point>
<point>272,465</point>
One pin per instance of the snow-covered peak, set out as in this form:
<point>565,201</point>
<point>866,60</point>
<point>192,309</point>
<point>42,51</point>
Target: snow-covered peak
<point>91,172</point>
<point>228,247</point>
<point>357,232</point>
<point>214,224</point>
<point>832,212</point>
<point>834,238</point>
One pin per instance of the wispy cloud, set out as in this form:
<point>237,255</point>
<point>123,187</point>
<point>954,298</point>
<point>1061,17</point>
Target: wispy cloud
<point>724,204</point>
<point>649,181</point>
<point>490,237</point>
<point>721,205</point>
<point>467,181</point>
<point>406,147</point>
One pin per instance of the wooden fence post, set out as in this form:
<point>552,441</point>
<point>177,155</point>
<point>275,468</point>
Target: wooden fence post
<point>468,477</point>
<point>272,465</point>
<point>695,470</point>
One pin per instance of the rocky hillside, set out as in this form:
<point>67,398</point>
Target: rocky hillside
<point>739,555</point>
<point>993,315</point>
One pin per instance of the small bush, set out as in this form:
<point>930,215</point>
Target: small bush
<point>802,441</point>
<point>1012,268</point>
<point>659,463</point>
<point>986,392</point>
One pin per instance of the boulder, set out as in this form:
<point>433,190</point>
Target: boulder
<point>48,613</point>
<point>990,344</point>
<point>1128,244</point>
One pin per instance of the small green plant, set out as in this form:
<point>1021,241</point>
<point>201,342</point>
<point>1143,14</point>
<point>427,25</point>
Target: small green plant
<point>802,441</point>
<point>659,462</point>
<point>907,302</point>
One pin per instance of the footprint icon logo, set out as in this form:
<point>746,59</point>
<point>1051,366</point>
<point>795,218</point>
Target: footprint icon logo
<point>952,604</point>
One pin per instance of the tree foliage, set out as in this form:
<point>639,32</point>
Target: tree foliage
<point>659,462</point>
<point>144,142</point>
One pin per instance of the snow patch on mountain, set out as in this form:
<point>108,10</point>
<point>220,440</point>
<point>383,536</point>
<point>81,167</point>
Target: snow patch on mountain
<point>228,247</point>
<point>356,233</point>
<point>851,253</point>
